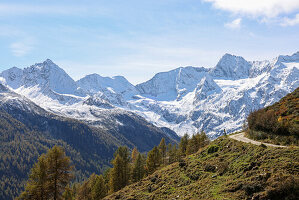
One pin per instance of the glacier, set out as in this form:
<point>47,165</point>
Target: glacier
<point>185,99</point>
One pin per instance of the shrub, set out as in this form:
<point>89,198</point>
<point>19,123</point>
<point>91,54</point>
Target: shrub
<point>222,168</point>
<point>213,149</point>
<point>210,168</point>
<point>263,145</point>
<point>252,188</point>
<point>262,120</point>
<point>288,188</point>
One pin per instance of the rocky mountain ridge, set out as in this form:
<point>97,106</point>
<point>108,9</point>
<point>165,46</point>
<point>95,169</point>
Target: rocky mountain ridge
<point>186,99</point>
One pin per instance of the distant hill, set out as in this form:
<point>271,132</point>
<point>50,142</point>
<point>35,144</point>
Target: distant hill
<point>226,169</point>
<point>278,123</point>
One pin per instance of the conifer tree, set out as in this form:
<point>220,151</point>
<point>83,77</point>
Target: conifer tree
<point>175,154</point>
<point>84,190</point>
<point>58,171</point>
<point>135,154</point>
<point>49,176</point>
<point>183,144</point>
<point>36,187</point>
<point>153,160</point>
<point>203,139</point>
<point>123,152</point>
<point>192,145</point>
<point>172,153</point>
<point>116,174</point>
<point>98,188</point>
<point>138,168</point>
<point>68,193</point>
<point>162,148</point>
<point>169,152</point>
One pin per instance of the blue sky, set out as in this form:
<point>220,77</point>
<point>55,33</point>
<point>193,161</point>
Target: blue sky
<point>138,38</point>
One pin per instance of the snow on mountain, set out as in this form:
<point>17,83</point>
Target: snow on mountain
<point>172,85</point>
<point>115,90</point>
<point>13,77</point>
<point>94,83</point>
<point>206,87</point>
<point>186,99</point>
<point>287,58</point>
<point>231,67</point>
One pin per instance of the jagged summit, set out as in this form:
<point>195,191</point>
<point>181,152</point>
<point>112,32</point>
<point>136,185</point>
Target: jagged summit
<point>13,77</point>
<point>231,67</point>
<point>45,76</point>
<point>287,58</point>
<point>184,99</point>
<point>174,84</point>
<point>95,83</point>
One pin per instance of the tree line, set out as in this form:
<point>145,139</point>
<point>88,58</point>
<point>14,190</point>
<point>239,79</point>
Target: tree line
<point>51,176</point>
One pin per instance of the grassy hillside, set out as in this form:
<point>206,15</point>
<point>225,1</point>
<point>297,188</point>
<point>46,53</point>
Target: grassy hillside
<point>226,169</point>
<point>278,123</point>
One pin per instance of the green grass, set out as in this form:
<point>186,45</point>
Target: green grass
<point>236,171</point>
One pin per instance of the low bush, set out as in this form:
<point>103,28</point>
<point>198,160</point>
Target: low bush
<point>213,149</point>
<point>284,188</point>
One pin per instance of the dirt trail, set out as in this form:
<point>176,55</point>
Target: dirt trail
<point>241,137</point>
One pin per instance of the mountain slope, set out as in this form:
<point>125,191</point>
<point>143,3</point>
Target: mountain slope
<point>278,123</point>
<point>185,100</point>
<point>226,169</point>
<point>28,130</point>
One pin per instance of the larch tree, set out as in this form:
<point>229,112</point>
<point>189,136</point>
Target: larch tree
<point>172,153</point>
<point>192,145</point>
<point>134,155</point>
<point>98,189</point>
<point>49,176</point>
<point>116,174</point>
<point>183,144</point>
<point>162,148</point>
<point>203,139</point>
<point>138,168</point>
<point>153,160</point>
<point>68,193</point>
<point>124,153</point>
<point>36,187</point>
<point>58,171</point>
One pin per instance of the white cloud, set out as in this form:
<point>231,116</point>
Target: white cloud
<point>21,48</point>
<point>235,24</point>
<point>257,8</point>
<point>290,21</point>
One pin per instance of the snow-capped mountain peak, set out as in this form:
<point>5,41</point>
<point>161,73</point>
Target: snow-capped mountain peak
<point>48,75</point>
<point>231,67</point>
<point>95,83</point>
<point>185,99</point>
<point>287,58</point>
<point>13,77</point>
<point>174,84</point>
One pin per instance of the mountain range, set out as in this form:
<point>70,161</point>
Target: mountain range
<point>184,100</point>
<point>28,130</point>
